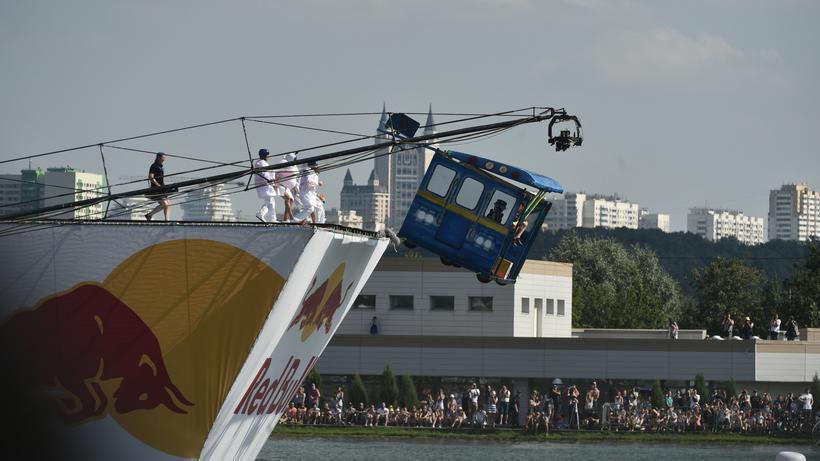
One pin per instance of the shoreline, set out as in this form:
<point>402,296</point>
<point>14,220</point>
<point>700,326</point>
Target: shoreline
<point>517,435</point>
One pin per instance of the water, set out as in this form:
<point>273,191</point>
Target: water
<point>327,449</point>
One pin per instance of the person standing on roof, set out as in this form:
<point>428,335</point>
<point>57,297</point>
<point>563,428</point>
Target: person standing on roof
<point>265,188</point>
<point>156,179</point>
<point>288,180</point>
<point>308,193</point>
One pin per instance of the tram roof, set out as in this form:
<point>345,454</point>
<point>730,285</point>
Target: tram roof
<point>526,177</point>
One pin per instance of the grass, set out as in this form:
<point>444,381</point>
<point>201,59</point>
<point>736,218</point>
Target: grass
<point>514,435</point>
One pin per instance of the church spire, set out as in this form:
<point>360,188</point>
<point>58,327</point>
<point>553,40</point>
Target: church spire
<point>430,124</point>
<point>383,120</point>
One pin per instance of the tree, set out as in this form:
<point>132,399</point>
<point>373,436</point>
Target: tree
<point>658,397</point>
<point>614,287</point>
<point>315,378</point>
<point>390,389</point>
<point>408,396</point>
<point>815,387</point>
<point>700,385</point>
<point>729,286</point>
<point>802,291</point>
<point>358,393</point>
<point>731,388</point>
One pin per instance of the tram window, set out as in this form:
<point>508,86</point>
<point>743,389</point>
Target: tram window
<point>440,180</point>
<point>500,206</point>
<point>470,193</point>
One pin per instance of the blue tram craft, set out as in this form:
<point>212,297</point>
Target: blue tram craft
<point>470,217</point>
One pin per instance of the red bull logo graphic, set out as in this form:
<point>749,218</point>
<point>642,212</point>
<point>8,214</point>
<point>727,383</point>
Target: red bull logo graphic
<point>146,346</point>
<point>86,342</point>
<point>320,306</point>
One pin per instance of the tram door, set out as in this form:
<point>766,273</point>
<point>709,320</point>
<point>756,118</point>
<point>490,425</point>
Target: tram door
<point>460,213</point>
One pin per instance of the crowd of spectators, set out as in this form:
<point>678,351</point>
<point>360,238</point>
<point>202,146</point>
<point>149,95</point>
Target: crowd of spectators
<point>568,408</point>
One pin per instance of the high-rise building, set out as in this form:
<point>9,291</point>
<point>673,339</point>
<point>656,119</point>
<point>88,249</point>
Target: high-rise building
<point>567,212</point>
<point>403,169</point>
<point>654,221</point>
<point>211,203</point>
<point>370,202</point>
<point>129,208</point>
<point>794,213</point>
<point>718,224</point>
<point>610,212</point>
<point>65,185</point>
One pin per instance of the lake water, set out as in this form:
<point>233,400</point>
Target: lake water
<point>327,449</point>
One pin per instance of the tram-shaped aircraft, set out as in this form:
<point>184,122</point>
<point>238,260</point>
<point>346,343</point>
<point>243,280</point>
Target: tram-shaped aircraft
<point>471,216</point>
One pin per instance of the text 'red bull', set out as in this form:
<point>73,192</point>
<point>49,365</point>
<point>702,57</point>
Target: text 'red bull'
<point>86,342</point>
<point>267,396</point>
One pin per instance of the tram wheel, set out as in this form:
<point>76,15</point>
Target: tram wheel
<point>484,278</point>
<point>409,244</point>
<point>502,282</point>
<point>445,261</point>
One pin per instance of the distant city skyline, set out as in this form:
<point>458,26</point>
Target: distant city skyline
<point>680,108</point>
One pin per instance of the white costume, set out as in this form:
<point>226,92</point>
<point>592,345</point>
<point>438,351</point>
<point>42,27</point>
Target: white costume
<point>288,178</point>
<point>309,196</point>
<point>266,190</point>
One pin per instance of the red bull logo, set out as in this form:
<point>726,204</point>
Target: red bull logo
<point>146,346</point>
<point>86,342</point>
<point>321,305</point>
<point>266,395</point>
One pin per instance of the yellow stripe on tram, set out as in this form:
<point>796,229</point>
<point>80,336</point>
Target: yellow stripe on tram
<point>431,197</point>
<point>486,222</point>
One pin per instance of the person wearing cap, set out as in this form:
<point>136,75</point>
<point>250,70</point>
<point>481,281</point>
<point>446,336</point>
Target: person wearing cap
<point>308,194</point>
<point>156,179</point>
<point>288,180</point>
<point>265,187</point>
<point>497,211</point>
<point>748,328</point>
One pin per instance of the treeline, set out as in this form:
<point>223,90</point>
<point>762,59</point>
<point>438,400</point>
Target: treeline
<point>643,279</point>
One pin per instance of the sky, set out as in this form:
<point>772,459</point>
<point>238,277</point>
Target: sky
<point>697,103</point>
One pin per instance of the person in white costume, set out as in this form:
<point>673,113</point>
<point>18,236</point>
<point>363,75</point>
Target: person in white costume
<point>288,180</point>
<point>309,195</point>
<point>265,188</point>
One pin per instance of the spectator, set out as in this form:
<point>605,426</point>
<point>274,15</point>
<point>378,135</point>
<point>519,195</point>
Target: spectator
<point>791,329</point>
<point>727,325</point>
<point>374,325</point>
<point>503,405</point>
<point>774,327</point>
<point>807,401</point>
<point>515,408</point>
<point>748,328</point>
<point>673,329</point>
<point>474,394</point>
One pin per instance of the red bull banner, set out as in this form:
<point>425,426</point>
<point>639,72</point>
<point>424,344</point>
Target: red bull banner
<point>149,341</point>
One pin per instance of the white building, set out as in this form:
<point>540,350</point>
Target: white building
<point>424,297</point>
<point>567,212</point>
<point>610,212</point>
<point>654,221</point>
<point>65,185</point>
<point>718,224</point>
<point>211,203</point>
<point>794,213</point>
<point>402,171</point>
<point>130,208</point>
<point>371,202</point>
<point>347,218</point>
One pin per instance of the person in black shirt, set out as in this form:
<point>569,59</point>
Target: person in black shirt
<point>156,178</point>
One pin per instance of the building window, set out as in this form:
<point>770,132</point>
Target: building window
<point>470,193</point>
<point>442,303</point>
<point>560,307</point>
<point>539,304</point>
<point>365,302</point>
<point>525,305</point>
<point>401,302</point>
<point>481,303</point>
<point>550,307</point>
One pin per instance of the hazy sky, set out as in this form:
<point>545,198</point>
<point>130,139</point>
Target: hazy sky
<point>683,103</point>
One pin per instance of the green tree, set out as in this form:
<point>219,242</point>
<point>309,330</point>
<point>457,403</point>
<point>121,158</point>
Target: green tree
<point>731,388</point>
<point>315,378</point>
<point>408,396</point>
<point>658,397</point>
<point>700,385</point>
<point>390,389</point>
<point>358,393</point>
<point>802,291</point>
<point>615,287</point>
<point>729,286</point>
<point>815,387</point>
